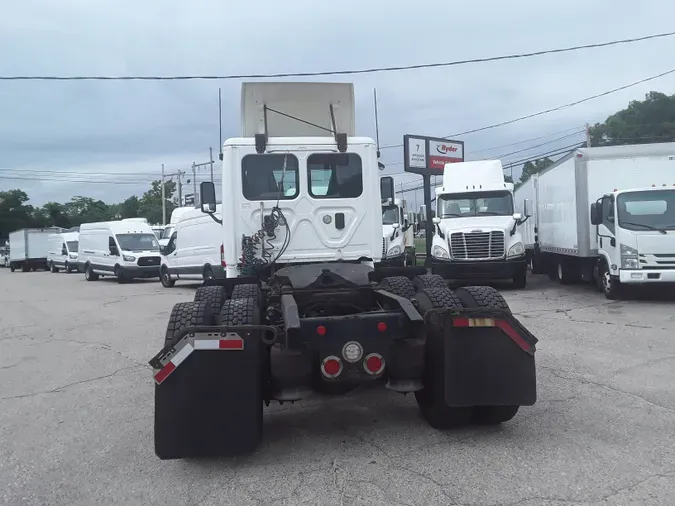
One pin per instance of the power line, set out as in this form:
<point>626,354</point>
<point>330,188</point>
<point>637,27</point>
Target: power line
<point>554,109</point>
<point>338,72</point>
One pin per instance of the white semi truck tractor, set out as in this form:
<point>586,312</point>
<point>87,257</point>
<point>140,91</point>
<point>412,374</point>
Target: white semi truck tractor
<point>478,233</point>
<point>398,239</point>
<point>304,309</point>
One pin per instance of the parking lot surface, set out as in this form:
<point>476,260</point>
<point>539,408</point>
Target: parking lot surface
<point>76,413</point>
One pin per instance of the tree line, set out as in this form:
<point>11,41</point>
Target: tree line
<point>16,213</point>
<point>642,122</point>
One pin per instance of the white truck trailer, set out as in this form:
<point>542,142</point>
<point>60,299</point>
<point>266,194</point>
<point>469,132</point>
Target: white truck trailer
<point>607,215</point>
<point>28,248</point>
<point>478,231</point>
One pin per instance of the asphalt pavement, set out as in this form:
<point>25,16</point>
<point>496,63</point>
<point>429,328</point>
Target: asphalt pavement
<point>76,413</point>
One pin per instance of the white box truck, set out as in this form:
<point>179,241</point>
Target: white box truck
<point>28,248</point>
<point>607,215</point>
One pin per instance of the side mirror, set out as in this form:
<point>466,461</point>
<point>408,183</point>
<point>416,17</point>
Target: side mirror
<point>387,188</point>
<point>395,226</point>
<point>207,197</point>
<point>436,220</point>
<point>517,216</point>
<point>527,205</point>
<point>423,213</point>
<point>596,213</point>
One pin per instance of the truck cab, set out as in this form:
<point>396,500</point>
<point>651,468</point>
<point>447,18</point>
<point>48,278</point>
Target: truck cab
<point>477,229</point>
<point>398,241</point>
<point>635,233</point>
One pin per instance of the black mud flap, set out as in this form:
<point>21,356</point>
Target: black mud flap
<point>210,404</point>
<point>489,359</point>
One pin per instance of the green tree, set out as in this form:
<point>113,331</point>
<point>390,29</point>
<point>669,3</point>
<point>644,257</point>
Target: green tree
<point>56,214</point>
<point>130,207</point>
<point>642,122</point>
<point>85,210</point>
<point>150,204</point>
<point>508,179</point>
<point>534,167</point>
<point>14,213</point>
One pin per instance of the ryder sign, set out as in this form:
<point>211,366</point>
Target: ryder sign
<point>428,155</point>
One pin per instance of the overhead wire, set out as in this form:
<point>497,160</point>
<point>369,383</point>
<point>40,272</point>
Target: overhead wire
<point>553,109</point>
<point>340,72</point>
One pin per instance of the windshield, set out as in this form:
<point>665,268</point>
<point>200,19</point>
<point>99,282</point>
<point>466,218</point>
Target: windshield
<point>646,210</point>
<point>168,232</point>
<point>460,205</point>
<point>389,215</point>
<point>72,246</point>
<point>138,242</point>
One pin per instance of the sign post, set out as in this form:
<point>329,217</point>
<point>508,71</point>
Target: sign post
<point>427,157</point>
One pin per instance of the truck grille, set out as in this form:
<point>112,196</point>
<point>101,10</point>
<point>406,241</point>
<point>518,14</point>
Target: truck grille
<point>657,261</point>
<point>146,261</point>
<point>477,245</point>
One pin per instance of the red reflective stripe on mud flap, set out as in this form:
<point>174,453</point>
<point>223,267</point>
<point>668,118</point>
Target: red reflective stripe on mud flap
<point>503,325</point>
<point>175,361</point>
<point>231,344</point>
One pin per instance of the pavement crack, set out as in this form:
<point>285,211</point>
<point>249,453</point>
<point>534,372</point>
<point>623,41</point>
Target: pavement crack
<point>63,387</point>
<point>607,387</point>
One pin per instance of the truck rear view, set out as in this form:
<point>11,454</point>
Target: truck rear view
<point>303,310</point>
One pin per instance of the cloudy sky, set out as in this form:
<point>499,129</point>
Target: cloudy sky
<point>108,139</point>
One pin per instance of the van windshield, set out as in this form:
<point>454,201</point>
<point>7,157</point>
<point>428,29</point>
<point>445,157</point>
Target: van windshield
<point>72,246</point>
<point>138,242</point>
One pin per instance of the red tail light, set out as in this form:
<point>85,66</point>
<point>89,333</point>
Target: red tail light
<point>374,364</point>
<point>222,257</point>
<point>331,367</point>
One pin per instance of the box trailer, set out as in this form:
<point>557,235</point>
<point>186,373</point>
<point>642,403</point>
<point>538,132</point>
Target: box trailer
<point>28,248</point>
<point>607,215</point>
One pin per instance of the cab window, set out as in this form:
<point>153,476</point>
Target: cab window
<point>262,176</point>
<point>335,175</point>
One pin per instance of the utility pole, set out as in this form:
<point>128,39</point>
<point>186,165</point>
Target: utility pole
<point>163,199</point>
<point>211,161</point>
<point>588,135</point>
<point>194,182</point>
<point>180,190</point>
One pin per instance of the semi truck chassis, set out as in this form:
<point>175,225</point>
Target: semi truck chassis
<point>242,344</point>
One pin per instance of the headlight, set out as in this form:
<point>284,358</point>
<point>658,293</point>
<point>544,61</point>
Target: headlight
<point>73,256</point>
<point>128,258</point>
<point>629,257</point>
<point>516,250</point>
<point>439,252</point>
<point>394,250</point>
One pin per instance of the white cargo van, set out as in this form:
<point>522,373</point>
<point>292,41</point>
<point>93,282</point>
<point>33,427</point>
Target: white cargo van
<point>125,249</point>
<point>62,253</point>
<point>194,250</point>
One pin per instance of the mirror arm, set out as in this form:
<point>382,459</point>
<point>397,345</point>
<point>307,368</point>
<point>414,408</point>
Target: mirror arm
<point>218,221</point>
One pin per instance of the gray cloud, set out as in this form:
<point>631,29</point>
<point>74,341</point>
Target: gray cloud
<point>132,127</point>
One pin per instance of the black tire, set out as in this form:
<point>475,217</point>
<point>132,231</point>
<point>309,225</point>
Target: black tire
<point>247,291</point>
<point>119,275</point>
<point>610,286</point>
<point>165,279</point>
<point>214,295</point>
<point>487,297</point>
<point>482,296</point>
<point>89,273</point>
<point>12,267</point>
<point>53,267</point>
<point>429,281</point>
<point>187,314</point>
<point>398,285</point>
<point>520,279</point>
<point>431,399</point>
